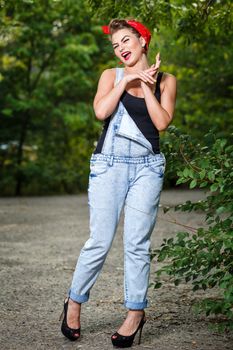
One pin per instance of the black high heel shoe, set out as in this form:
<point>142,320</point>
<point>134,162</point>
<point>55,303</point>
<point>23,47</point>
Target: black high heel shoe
<point>126,341</point>
<point>66,330</point>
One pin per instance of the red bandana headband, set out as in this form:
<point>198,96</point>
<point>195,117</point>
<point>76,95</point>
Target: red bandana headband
<point>140,28</point>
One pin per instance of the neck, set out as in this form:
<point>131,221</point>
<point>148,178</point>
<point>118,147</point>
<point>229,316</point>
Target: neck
<point>139,65</point>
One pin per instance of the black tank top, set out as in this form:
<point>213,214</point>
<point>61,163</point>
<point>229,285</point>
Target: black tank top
<point>136,107</point>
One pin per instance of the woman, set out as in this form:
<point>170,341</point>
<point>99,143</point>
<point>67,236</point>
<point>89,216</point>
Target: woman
<point>127,169</point>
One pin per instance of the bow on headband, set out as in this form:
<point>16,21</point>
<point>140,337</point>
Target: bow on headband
<point>140,28</point>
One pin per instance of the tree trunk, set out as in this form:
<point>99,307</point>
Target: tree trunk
<point>19,177</point>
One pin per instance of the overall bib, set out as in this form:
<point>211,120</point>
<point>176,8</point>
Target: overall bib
<point>126,173</point>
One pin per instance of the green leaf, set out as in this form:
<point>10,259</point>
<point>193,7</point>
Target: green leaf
<point>223,143</point>
<point>186,172</point>
<point>157,285</point>
<point>193,183</point>
<point>211,175</point>
<point>202,174</point>
<point>7,112</point>
<point>204,184</point>
<point>180,181</point>
<point>214,187</point>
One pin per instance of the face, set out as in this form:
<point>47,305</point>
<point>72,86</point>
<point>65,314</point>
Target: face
<point>127,46</point>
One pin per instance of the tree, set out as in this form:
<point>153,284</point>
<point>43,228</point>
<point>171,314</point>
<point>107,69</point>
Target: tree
<point>48,69</point>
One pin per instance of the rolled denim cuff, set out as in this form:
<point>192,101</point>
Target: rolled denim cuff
<point>136,306</point>
<point>78,298</point>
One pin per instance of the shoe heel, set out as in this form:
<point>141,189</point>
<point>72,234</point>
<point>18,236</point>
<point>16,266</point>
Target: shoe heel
<point>63,311</point>
<point>140,333</point>
<point>62,315</point>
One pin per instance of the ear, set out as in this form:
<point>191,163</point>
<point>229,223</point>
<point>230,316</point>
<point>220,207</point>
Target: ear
<point>142,42</point>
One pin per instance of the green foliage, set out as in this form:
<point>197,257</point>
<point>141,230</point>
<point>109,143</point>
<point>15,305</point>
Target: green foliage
<point>203,257</point>
<point>48,70</point>
<point>188,19</point>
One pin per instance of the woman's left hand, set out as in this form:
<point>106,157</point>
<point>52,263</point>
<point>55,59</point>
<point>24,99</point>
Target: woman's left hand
<point>149,76</point>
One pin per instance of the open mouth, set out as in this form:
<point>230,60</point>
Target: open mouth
<point>126,55</point>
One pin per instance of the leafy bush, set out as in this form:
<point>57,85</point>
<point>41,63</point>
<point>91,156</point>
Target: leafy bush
<point>204,256</point>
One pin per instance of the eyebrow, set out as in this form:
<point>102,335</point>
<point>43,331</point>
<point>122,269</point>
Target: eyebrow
<point>121,39</point>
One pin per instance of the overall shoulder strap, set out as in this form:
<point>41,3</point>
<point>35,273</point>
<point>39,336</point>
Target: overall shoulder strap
<point>119,74</point>
<point>159,78</point>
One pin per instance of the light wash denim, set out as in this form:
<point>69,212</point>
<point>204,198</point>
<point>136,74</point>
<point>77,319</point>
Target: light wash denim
<point>127,173</point>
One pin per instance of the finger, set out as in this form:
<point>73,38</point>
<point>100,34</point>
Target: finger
<point>154,66</point>
<point>147,74</point>
<point>151,77</point>
<point>148,77</point>
<point>151,70</point>
<point>142,77</point>
<point>158,58</point>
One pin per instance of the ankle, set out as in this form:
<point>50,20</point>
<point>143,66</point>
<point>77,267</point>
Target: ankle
<point>136,312</point>
<point>74,303</point>
<point>74,309</point>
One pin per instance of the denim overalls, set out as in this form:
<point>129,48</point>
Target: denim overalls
<point>126,173</point>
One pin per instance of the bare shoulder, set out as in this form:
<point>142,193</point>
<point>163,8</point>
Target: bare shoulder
<point>168,80</point>
<point>106,81</point>
<point>167,77</point>
<point>105,85</point>
<point>108,75</point>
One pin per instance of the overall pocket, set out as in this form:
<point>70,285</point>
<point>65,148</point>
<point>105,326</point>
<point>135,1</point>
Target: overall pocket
<point>98,167</point>
<point>158,168</point>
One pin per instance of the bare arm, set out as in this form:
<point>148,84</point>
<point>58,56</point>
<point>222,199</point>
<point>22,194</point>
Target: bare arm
<point>107,96</point>
<point>161,114</point>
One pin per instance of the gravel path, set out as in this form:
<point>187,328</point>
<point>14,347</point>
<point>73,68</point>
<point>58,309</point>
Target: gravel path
<point>40,241</point>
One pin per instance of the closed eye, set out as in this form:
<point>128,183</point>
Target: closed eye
<point>124,39</point>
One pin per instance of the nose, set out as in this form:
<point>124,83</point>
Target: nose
<point>121,47</point>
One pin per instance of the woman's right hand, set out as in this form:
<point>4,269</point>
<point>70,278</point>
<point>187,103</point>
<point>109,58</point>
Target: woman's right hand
<point>145,75</point>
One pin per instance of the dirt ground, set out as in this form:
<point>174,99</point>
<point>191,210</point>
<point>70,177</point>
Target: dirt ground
<point>40,241</point>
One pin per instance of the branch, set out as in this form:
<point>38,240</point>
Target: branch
<point>192,229</point>
<point>195,168</point>
<point>205,9</point>
<point>42,68</point>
